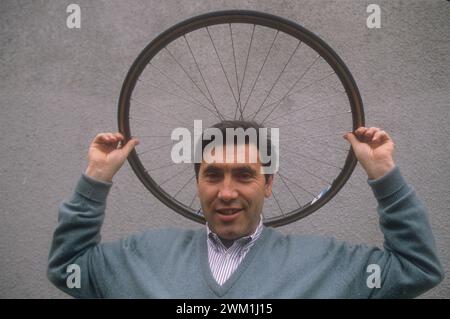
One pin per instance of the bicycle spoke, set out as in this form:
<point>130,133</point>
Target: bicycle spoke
<point>278,204</point>
<point>190,78</point>
<point>201,74</point>
<point>303,107</point>
<point>260,70</point>
<point>221,65</point>
<point>312,158</point>
<point>290,191</point>
<point>174,196</point>
<point>317,142</point>
<point>155,148</point>
<point>157,110</point>
<point>235,71</point>
<point>243,76</point>
<point>299,186</point>
<point>179,96</point>
<point>319,136</point>
<point>164,166</point>
<point>290,94</point>
<point>309,85</point>
<point>322,143</point>
<point>181,88</point>
<point>314,119</point>
<point>171,177</point>
<point>171,124</point>
<point>193,199</point>
<point>301,77</point>
<point>277,79</point>
<point>309,172</point>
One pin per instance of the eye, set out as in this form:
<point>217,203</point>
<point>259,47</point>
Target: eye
<point>212,175</point>
<point>245,176</point>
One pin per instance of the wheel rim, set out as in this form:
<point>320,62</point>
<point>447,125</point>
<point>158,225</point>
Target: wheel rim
<point>239,17</point>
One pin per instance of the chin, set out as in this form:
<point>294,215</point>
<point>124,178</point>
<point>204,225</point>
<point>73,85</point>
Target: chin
<point>228,234</point>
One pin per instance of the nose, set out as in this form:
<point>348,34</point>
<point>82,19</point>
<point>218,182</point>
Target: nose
<point>227,192</point>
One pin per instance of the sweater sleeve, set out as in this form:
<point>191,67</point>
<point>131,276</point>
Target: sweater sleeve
<point>77,236</point>
<point>409,264</point>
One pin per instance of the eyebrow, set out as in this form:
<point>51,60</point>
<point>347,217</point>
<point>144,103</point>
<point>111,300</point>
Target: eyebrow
<point>244,169</point>
<point>211,169</point>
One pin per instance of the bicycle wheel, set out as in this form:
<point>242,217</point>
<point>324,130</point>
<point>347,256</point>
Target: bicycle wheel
<point>243,65</point>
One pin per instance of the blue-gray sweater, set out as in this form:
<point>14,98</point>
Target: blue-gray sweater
<point>173,263</point>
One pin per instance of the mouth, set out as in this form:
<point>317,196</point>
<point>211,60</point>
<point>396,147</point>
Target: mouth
<point>228,214</point>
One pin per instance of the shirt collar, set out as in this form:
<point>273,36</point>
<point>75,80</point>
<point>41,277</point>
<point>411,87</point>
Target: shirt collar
<point>215,240</point>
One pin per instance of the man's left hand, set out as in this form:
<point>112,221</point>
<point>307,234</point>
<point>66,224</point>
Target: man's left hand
<point>374,149</point>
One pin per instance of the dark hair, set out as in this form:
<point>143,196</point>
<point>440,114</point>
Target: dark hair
<point>235,124</point>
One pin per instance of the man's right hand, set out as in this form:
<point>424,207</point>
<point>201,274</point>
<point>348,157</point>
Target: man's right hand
<point>106,157</point>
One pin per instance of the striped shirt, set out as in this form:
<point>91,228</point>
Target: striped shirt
<point>223,261</point>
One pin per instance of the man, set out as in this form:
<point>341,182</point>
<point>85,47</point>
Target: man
<point>236,256</point>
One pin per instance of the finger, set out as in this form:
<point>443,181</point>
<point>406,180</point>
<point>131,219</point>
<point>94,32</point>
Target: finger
<point>360,130</point>
<point>370,132</point>
<point>111,136</point>
<point>114,139</point>
<point>380,136</point>
<point>101,138</point>
<point>119,136</point>
<point>127,148</point>
<point>351,137</point>
<point>105,138</point>
<point>119,139</point>
<point>360,134</point>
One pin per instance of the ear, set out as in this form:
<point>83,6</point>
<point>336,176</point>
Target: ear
<point>268,187</point>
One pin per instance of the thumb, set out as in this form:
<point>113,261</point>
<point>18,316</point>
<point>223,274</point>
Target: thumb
<point>127,148</point>
<point>352,139</point>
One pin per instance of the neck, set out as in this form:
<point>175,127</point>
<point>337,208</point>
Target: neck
<point>229,242</point>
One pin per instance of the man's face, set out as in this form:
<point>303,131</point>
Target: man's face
<point>232,193</point>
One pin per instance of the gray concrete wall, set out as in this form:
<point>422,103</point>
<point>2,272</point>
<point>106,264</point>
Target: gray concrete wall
<point>59,87</point>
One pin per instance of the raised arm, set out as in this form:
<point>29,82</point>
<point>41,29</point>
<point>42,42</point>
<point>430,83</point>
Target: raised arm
<point>409,264</point>
<point>75,249</point>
